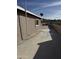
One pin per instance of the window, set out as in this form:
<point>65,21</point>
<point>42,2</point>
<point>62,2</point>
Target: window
<point>36,22</point>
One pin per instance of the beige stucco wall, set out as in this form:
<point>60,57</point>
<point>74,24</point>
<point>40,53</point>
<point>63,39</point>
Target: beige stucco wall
<point>28,27</point>
<point>23,26</point>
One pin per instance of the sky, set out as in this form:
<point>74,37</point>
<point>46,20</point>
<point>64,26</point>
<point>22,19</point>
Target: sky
<point>50,8</point>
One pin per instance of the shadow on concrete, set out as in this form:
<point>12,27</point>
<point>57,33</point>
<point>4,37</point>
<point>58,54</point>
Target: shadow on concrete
<point>50,49</point>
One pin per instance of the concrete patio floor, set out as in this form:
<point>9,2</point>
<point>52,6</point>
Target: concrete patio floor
<point>28,48</point>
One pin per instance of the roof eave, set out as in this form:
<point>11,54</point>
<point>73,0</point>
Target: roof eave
<point>20,8</point>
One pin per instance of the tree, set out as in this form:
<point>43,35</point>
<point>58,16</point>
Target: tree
<point>41,14</point>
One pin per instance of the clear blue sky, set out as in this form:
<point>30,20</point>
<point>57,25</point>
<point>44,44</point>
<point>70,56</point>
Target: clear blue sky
<point>50,8</point>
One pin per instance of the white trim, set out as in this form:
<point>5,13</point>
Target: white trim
<point>18,7</point>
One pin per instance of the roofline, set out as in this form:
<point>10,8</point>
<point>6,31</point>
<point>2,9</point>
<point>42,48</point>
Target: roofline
<point>27,11</point>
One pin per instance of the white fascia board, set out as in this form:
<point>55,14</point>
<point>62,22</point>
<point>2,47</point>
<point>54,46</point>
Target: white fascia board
<point>18,7</point>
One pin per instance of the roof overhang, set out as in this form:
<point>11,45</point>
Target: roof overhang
<point>20,8</point>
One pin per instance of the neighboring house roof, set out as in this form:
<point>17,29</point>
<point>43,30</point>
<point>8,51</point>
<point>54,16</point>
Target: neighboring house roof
<point>20,8</point>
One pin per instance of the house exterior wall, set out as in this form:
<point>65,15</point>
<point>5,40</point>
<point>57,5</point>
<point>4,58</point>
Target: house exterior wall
<point>26,26</point>
<point>21,28</point>
<point>30,26</point>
